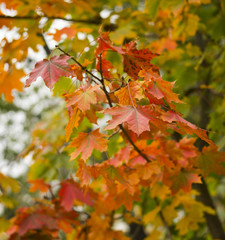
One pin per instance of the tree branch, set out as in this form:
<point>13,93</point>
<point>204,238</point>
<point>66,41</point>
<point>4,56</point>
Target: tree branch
<point>120,125</point>
<point>95,21</point>
<point>46,47</point>
<point>213,221</point>
<point>169,235</point>
<point>200,89</point>
<point>109,102</point>
<point>80,65</point>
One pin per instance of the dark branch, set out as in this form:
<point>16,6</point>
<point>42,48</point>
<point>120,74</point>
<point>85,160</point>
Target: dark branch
<point>200,89</point>
<point>80,65</point>
<point>120,125</point>
<point>46,47</point>
<point>95,21</point>
<point>214,224</point>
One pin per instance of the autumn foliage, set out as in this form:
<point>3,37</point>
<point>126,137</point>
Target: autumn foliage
<point>133,157</point>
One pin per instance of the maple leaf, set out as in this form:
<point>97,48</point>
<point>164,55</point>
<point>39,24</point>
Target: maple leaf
<point>150,216</point>
<point>50,70</point>
<point>164,43</point>
<point>148,170</point>
<point>189,128</point>
<point>171,116</point>
<point>69,31</point>
<point>211,161</point>
<point>104,43</point>
<point>182,179</point>
<point>83,97</point>
<point>135,60</point>
<point>8,183</point>
<point>83,173</point>
<point>137,121</point>
<point>39,184</point>
<point>36,221</point>
<point>74,121</point>
<point>129,93</point>
<point>155,91</point>
<point>10,80</point>
<point>158,88</point>
<point>85,143</point>
<point>78,71</point>
<point>113,174</point>
<point>69,192</point>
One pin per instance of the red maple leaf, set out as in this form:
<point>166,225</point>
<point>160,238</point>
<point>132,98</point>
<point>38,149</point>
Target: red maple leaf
<point>171,116</point>
<point>50,70</point>
<point>37,221</point>
<point>137,121</point>
<point>135,60</point>
<point>71,191</point>
<point>104,43</point>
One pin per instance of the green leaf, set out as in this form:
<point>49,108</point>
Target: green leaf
<point>64,85</point>
<point>4,225</point>
<point>8,182</point>
<point>151,7</point>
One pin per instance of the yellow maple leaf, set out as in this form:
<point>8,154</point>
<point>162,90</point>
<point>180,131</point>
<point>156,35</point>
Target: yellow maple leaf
<point>149,217</point>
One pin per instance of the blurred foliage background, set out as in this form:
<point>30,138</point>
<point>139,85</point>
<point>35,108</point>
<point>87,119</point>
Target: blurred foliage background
<point>189,36</point>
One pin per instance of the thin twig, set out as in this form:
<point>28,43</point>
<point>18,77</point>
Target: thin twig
<point>101,72</point>
<point>115,90</point>
<point>136,231</point>
<point>113,134</point>
<point>133,144</point>
<point>80,65</point>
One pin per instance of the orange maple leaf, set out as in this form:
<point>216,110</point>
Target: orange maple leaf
<point>39,184</point>
<point>83,97</point>
<point>182,179</point>
<point>85,143</point>
<point>74,121</point>
<point>10,80</point>
<point>129,93</point>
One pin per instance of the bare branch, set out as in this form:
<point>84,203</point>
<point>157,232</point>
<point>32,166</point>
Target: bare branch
<point>95,21</point>
<point>46,47</point>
